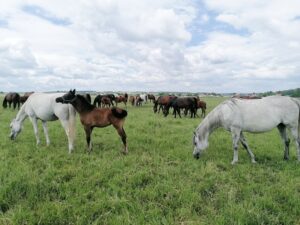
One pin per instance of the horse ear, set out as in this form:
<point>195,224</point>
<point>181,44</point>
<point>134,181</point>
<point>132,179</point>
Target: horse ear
<point>73,92</point>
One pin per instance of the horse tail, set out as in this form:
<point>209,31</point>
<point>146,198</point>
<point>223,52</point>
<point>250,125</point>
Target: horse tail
<point>119,113</point>
<point>4,104</point>
<point>72,123</point>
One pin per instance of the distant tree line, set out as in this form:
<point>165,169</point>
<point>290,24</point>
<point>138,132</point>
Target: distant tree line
<point>290,92</point>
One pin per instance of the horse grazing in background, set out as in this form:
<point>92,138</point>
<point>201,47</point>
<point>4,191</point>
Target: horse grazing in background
<point>138,100</point>
<point>132,100</point>
<point>91,116</point>
<point>97,101</point>
<point>255,116</point>
<point>122,98</point>
<point>151,97</point>
<point>161,102</point>
<point>25,97</point>
<point>44,107</point>
<point>187,103</point>
<point>11,98</point>
<point>105,102</point>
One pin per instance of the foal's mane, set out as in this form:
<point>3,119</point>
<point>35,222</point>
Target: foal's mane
<point>85,103</point>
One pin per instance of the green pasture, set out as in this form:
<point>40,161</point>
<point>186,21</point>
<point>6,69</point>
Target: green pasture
<point>158,182</point>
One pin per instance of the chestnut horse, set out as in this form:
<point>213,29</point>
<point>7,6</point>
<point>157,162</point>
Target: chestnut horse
<point>201,105</point>
<point>11,98</point>
<point>91,116</point>
<point>162,101</point>
<point>105,101</point>
<point>122,98</point>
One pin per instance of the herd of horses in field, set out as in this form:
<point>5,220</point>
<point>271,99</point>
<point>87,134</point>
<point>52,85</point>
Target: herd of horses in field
<point>236,115</point>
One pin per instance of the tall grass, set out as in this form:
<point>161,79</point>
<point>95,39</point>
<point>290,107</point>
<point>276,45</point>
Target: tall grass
<point>158,182</point>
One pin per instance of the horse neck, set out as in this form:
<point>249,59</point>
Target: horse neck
<point>211,122</point>
<point>22,115</point>
<point>79,105</point>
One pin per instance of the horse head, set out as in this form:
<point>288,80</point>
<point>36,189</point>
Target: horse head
<point>15,129</point>
<point>200,144</point>
<point>67,98</point>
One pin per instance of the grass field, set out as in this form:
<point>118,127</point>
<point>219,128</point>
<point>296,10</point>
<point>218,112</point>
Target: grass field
<point>158,182</point>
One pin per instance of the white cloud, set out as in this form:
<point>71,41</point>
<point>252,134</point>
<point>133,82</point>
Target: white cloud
<point>149,45</point>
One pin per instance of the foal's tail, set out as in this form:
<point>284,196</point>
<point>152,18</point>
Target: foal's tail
<point>4,104</point>
<point>119,113</point>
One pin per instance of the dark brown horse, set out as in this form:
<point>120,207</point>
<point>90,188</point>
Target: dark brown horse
<point>87,96</point>
<point>132,100</point>
<point>151,98</point>
<point>161,102</point>
<point>186,103</point>
<point>121,98</point>
<point>11,98</point>
<point>25,96</point>
<point>91,116</point>
<point>97,101</point>
<point>105,101</point>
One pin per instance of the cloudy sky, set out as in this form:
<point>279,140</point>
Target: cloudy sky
<point>150,45</point>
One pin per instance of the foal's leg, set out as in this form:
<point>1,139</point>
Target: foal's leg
<point>46,132</point>
<point>246,146</point>
<point>235,133</point>
<point>285,140</point>
<point>123,136</point>
<point>35,129</point>
<point>88,132</point>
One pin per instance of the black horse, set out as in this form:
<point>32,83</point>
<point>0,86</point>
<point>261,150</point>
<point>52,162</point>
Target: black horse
<point>187,103</point>
<point>97,100</point>
<point>87,96</point>
<point>10,98</point>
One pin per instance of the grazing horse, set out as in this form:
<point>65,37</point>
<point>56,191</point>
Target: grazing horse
<point>122,98</point>
<point>132,100</point>
<point>254,116</point>
<point>138,100</point>
<point>43,106</point>
<point>11,98</point>
<point>25,96</point>
<point>162,101</point>
<point>151,97</point>
<point>97,100</point>
<point>187,103</point>
<point>105,101</point>
<point>91,116</point>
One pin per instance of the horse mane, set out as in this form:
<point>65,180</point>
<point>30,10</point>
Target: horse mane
<point>85,103</point>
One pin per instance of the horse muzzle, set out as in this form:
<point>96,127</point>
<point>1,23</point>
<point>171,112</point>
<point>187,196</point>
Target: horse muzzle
<point>197,155</point>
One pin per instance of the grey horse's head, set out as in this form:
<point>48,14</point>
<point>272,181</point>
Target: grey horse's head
<point>15,129</point>
<point>67,98</point>
<point>200,143</point>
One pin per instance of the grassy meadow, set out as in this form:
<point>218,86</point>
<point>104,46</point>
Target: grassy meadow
<point>158,182</point>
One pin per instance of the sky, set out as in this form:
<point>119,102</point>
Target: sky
<point>150,45</point>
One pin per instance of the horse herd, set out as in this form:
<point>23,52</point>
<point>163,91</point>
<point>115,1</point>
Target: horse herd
<point>235,115</point>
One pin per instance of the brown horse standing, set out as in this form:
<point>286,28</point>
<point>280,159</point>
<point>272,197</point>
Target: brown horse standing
<point>201,105</point>
<point>106,102</point>
<point>11,98</point>
<point>91,116</point>
<point>132,100</point>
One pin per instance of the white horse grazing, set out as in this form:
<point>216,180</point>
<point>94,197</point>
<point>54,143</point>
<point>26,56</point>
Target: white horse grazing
<point>44,107</point>
<point>254,116</point>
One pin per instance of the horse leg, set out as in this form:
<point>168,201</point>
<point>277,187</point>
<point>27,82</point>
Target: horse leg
<point>69,133</point>
<point>44,123</point>
<point>88,132</point>
<point>246,146</point>
<point>295,134</point>
<point>121,132</point>
<point>178,111</point>
<point>282,131</point>
<point>235,133</point>
<point>35,129</point>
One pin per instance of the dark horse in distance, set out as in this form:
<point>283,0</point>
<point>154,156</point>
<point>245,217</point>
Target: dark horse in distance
<point>91,116</point>
<point>11,98</point>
